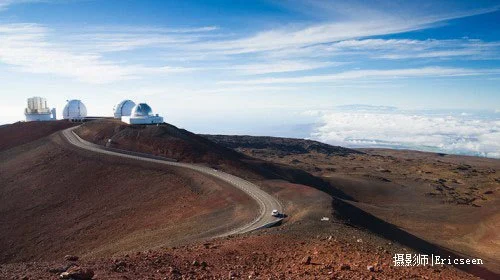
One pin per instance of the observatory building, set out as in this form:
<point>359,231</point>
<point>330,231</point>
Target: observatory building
<point>142,114</point>
<point>123,109</point>
<point>74,110</point>
<point>38,110</point>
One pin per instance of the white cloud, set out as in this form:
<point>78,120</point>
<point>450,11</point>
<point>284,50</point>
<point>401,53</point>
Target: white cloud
<point>27,48</point>
<point>444,133</point>
<point>372,74</point>
<point>395,49</point>
<point>281,66</point>
<point>317,34</point>
<point>124,38</point>
<point>87,54</point>
<point>375,23</point>
<point>4,4</point>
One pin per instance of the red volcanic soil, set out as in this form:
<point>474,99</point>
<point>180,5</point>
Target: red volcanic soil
<point>446,200</point>
<point>24,132</point>
<point>268,255</point>
<point>123,217</point>
<point>57,200</point>
<point>163,140</point>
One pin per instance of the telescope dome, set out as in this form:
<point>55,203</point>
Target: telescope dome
<point>74,110</point>
<point>123,108</point>
<point>142,110</point>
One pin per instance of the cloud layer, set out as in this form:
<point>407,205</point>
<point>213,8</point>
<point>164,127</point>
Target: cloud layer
<point>448,133</point>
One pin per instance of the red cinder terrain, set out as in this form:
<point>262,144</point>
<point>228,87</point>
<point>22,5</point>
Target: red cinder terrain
<point>23,132</point>
<point>451,201</point>
<point>56,200</point>
<point>130,220</point>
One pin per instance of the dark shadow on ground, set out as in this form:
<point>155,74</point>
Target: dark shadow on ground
<point>354,216</point>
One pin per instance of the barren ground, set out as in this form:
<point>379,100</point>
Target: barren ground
<point>134,221</point>
<point>56,200</point>
<point>451,201</point>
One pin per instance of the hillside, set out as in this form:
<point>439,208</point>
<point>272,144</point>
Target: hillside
<point>416,191</point>
<point>138,221</point>
<point>24,132</point>
<point>57,200</point>
<point>278,146</point>
<point>163,140</point>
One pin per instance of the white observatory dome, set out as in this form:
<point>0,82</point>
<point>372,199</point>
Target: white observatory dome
<point>123,108</point>
<point>74,110</point>
<point>141,110</point>
<point>142,114</point>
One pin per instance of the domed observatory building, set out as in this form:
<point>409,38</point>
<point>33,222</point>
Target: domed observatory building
<point>74,110</point>
<point>142,114</point>
<point>123,108</point>
<point>37,110</point>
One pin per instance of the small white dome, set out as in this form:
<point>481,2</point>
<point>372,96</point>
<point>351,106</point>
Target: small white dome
<point>123,108</point>
<point>74,110</point>
<point>141,110</point>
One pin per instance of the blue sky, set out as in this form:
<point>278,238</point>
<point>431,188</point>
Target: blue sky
<point>254,67</point>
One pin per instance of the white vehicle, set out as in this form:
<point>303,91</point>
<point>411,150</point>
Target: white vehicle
<point>275,213</point>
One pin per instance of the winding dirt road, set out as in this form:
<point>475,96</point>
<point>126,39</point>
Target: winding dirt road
<point>265,201</point>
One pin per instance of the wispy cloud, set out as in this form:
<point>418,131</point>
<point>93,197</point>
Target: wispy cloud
<point>371,74</point>
<point>281,66</point>
<point>123,38</point>
<point>27,48</point>
<point>92,53</point>
<point>4,4</point>
<point>376,24</point>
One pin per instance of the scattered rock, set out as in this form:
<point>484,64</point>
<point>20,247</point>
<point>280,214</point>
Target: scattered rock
<point>195,263</point>
<point>173,271</point>
<point>57,270</point>
<point>119,266</point>
<point>306,260</point>
<point>345,267</point>
<point>77,273</point>
<point>359,240</point>
<point>463,167</point>
<point>71,258</point>
<point>370,268</point>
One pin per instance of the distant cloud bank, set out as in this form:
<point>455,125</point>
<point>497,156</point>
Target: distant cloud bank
<point>454,133</point>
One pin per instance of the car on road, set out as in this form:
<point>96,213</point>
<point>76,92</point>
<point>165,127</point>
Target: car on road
<point>275,213</point>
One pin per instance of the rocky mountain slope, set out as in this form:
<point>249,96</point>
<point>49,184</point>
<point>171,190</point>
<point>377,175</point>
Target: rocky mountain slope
<point>119,217</point>
<point>278,146</point>
<point>415,191</point>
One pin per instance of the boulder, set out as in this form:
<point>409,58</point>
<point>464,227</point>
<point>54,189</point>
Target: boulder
<point>77,273</point>
<point>71,258</point>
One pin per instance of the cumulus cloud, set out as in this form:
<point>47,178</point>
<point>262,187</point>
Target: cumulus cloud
<point>448,133</point>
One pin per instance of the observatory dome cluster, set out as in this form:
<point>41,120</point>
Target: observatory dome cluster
<point>127,111</point>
